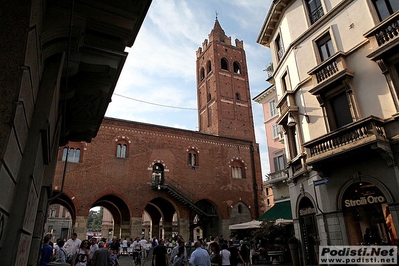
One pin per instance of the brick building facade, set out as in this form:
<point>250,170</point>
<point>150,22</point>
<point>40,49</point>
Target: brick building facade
<point>208,179</point>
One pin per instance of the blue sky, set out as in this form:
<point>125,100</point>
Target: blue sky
<point>160,68</point>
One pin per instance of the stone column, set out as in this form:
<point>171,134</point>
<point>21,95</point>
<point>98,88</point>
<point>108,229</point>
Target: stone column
<point>184,229</point>
<point>117,230</point>
<point>80,227</point>
<point>125,229</point>
<point>155,231</point>
<point>167,227</point>
<point>225,231</point>
<point>136,226</point>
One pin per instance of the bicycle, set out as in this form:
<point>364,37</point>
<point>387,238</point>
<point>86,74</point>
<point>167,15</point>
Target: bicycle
<point>137,257</point>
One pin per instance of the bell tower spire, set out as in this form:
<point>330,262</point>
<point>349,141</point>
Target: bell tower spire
<point>224,101</point>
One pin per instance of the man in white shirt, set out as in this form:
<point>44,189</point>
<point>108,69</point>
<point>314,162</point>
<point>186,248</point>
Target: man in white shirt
<point>72,244</point>
<point>143,244</point>
<point>93,246</point>
<point>124,246</point>
<point>136,247</point>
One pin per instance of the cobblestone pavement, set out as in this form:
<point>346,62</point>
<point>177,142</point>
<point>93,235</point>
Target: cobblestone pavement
<point>128,261</point>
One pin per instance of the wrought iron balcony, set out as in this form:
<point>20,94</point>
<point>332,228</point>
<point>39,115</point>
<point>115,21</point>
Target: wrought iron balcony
<point>331,70</point>
<point>280,53</point>
<point>358,134</point>
<point>384,37</point>
<point>269,70</point>
<point>317,14</point>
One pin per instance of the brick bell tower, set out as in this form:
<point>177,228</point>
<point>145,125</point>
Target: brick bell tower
<point>224,101</point>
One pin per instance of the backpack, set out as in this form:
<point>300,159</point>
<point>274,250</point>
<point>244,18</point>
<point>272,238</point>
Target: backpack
<point>65,255</point>
<point>244,251</point>
<point>114,260</point>
<point>177,261</point>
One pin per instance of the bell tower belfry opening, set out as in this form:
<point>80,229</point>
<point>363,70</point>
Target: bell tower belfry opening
<point>224,101</point>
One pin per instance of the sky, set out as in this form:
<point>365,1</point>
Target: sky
<point>158,82</point>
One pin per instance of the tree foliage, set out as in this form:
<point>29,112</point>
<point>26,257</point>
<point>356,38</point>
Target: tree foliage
<point>95,221</point>
<point>271,234</point>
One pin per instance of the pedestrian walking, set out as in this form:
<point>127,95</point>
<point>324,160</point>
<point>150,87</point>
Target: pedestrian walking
<point>199,257</point>
<point>82,255</point>
<point>47,252</point>
<point>160,254</point>
<point>101,256</point>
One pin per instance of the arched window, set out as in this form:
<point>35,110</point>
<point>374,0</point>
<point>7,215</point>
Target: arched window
<point>192,159</point>
<point>122,146</point>
<point>73,155</point>
<point>237,169</point>
<point>202,74</point>
<point>238,97</point>
<point>121,150</point>
<point>236,172</point>
<point>208,67</point>
<point>64,154</point>
<point>157,178</point>
<point>224,63</point>
<point>192,153</point>
<point>239,208</point>
<point>236,67</point>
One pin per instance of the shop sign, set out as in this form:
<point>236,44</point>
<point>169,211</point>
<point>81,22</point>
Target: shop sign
<point>306,211</point>
<point>364,201</point>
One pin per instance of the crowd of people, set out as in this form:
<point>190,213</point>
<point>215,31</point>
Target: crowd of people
<point>216,252</point>
<point>80,252</point>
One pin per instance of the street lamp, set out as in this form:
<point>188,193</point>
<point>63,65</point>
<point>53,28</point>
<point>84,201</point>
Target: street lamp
<point>291,120</point>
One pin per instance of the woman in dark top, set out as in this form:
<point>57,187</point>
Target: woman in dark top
<point>216,259</point>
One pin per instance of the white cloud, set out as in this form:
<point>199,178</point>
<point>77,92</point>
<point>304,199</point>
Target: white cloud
<point>161,65</point>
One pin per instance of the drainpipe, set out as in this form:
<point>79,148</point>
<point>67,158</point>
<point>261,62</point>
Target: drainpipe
<point>324,217</point>
<point>256,203</point>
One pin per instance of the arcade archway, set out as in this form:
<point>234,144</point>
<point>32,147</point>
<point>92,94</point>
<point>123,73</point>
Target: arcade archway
<point>206,222</point>
<point>161,212</point>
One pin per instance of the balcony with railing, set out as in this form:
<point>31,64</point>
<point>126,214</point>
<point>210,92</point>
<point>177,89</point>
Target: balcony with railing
<point>286,105</point>
<point>277,177</point>
<point>328,72</point>
<point>269,70</point>
<point>384,38</point>
<point>316,14</point>
<point>354,136</point>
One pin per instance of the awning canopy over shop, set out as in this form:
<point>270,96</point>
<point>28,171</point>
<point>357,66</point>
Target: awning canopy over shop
<point>280,210</point>
<point>248,225</point>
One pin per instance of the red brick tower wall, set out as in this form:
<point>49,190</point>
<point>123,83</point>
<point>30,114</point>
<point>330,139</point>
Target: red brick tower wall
<point>224,99</point>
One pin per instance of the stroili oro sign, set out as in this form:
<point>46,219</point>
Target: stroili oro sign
<point>366,200</point>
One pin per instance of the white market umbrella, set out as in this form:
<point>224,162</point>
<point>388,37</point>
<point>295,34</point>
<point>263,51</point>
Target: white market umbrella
<point>282,221</point>
<point>247,225</point>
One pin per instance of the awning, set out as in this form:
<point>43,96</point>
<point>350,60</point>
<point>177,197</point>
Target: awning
<point>280,210</point>
<point>247,225</point>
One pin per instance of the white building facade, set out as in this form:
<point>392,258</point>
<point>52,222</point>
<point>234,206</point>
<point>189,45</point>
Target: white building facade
<point>336,74</point>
